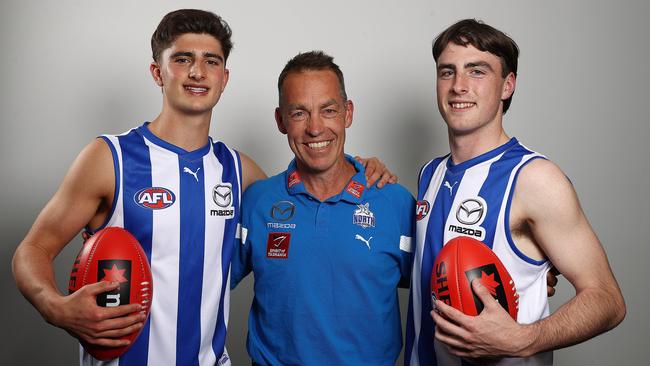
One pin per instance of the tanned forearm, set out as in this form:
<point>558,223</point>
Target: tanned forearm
<point>591,312</point>
<point>32,269</point>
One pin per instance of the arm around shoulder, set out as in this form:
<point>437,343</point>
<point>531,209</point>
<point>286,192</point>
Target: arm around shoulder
<point>549,204</point>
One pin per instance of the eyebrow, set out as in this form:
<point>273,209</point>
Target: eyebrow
<point>478,64</point>
<point>327,103</point>
<point>191,54</point>
<point>468,65</point>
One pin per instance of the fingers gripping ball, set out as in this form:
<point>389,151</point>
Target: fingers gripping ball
<point>462,260</point>
<point>114,255</point>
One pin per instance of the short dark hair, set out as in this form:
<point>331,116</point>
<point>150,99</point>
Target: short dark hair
<point>312,61</point>
<point>184,21</point>
<point>485,38</point>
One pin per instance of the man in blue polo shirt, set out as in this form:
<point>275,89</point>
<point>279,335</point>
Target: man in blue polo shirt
<point>327,251</point>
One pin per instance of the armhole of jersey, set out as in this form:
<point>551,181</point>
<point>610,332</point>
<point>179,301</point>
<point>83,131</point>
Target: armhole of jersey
<point>506,218</point>
<point>116,189</point>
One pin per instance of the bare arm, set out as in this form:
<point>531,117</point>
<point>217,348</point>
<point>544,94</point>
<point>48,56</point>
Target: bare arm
<point>550,205</point>
<point>251,172</point>
<point>88,183</point>
<point>562,231</point>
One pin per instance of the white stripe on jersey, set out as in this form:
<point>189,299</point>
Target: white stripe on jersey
<point>164,259</point>
<point>212,281</point>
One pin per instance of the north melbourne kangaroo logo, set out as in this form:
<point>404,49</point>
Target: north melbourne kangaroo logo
<point>367,242</point>
<point>194,174</point>
<point>450,186</point>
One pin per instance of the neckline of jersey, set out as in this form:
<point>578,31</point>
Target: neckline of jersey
<point>190,155</point>
<point>456,168</point>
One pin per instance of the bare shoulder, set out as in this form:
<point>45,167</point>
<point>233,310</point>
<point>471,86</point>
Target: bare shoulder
<point>542,185</point>
<point>251,172</point>
<point>84,197</point>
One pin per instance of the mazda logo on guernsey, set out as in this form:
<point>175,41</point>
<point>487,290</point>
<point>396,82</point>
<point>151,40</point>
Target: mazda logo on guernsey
<point>222,194</point>
<point>283,211</point>
<point>154,198</point>
<point>471,211</point>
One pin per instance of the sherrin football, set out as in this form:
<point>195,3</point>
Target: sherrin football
<point>113,254</point>
<point>462,260</point>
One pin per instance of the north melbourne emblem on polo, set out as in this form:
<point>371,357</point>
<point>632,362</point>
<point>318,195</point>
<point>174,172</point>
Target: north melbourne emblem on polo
<point>363,216</point>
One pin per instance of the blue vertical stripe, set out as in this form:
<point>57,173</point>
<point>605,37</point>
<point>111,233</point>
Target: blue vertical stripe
<point>136,174</point>
<point>191,256</point>
<point>494,187</point>
<point>229,174</point>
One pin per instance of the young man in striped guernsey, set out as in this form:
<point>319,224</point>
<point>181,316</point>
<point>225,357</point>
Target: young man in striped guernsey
<point>188,236</point>
<point>514,200</point>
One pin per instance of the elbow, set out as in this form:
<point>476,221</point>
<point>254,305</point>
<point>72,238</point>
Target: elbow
<point>620,310</point>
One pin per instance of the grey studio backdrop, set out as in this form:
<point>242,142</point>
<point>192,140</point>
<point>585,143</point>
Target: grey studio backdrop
<point>74,69</point>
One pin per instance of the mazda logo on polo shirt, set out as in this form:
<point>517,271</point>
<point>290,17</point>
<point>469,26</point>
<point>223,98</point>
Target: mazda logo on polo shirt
<point>471,211</point>
<point>283,211</point>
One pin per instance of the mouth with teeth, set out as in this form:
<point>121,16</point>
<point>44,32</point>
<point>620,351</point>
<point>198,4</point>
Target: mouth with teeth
<point>197,90</point>
<point>461,105</point>
<point>320,145</point>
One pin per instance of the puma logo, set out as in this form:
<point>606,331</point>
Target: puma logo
<point>451,187</point>
<point>194,174</point>
<point>367,242</point>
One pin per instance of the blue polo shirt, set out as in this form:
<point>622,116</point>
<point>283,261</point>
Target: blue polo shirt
<point>326,273</point>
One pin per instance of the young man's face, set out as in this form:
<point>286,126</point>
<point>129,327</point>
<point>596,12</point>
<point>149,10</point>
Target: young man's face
<point>470,88</point>
<point>192,73</point>
<point>314,117</point>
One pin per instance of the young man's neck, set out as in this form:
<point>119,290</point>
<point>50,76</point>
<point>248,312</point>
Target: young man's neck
<point>324,185</point>
<point>468,146</point>
<point>185,131</point>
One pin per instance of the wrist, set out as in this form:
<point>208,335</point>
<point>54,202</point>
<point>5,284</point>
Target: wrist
<point>529,338</point>
<point>49,306</point>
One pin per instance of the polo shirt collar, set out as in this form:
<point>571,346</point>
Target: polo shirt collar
<point>353,191</point>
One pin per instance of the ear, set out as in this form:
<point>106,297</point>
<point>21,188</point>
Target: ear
<point>226,77</point>
<point>349,111</point>
<point>279,121</point>
<point>509,86</point>
<point>154,68</point>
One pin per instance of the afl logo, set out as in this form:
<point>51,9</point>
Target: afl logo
<point>154,198</point>
<point>422,209</point>
<point>471,211</point>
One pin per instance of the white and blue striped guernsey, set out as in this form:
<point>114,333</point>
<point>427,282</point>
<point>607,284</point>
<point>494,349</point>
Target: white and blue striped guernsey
<point>183,207</point>
<point>472,198</point>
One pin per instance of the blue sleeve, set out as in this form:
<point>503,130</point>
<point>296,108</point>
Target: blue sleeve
<point>404,207</point>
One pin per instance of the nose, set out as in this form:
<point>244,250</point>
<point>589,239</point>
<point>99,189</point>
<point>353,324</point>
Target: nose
<point>460,84</point>
<point>197,71</point>
<point>315,125</point>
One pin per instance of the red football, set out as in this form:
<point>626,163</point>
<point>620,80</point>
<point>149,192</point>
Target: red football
<point>113,254</point>
<point>462,260</point>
